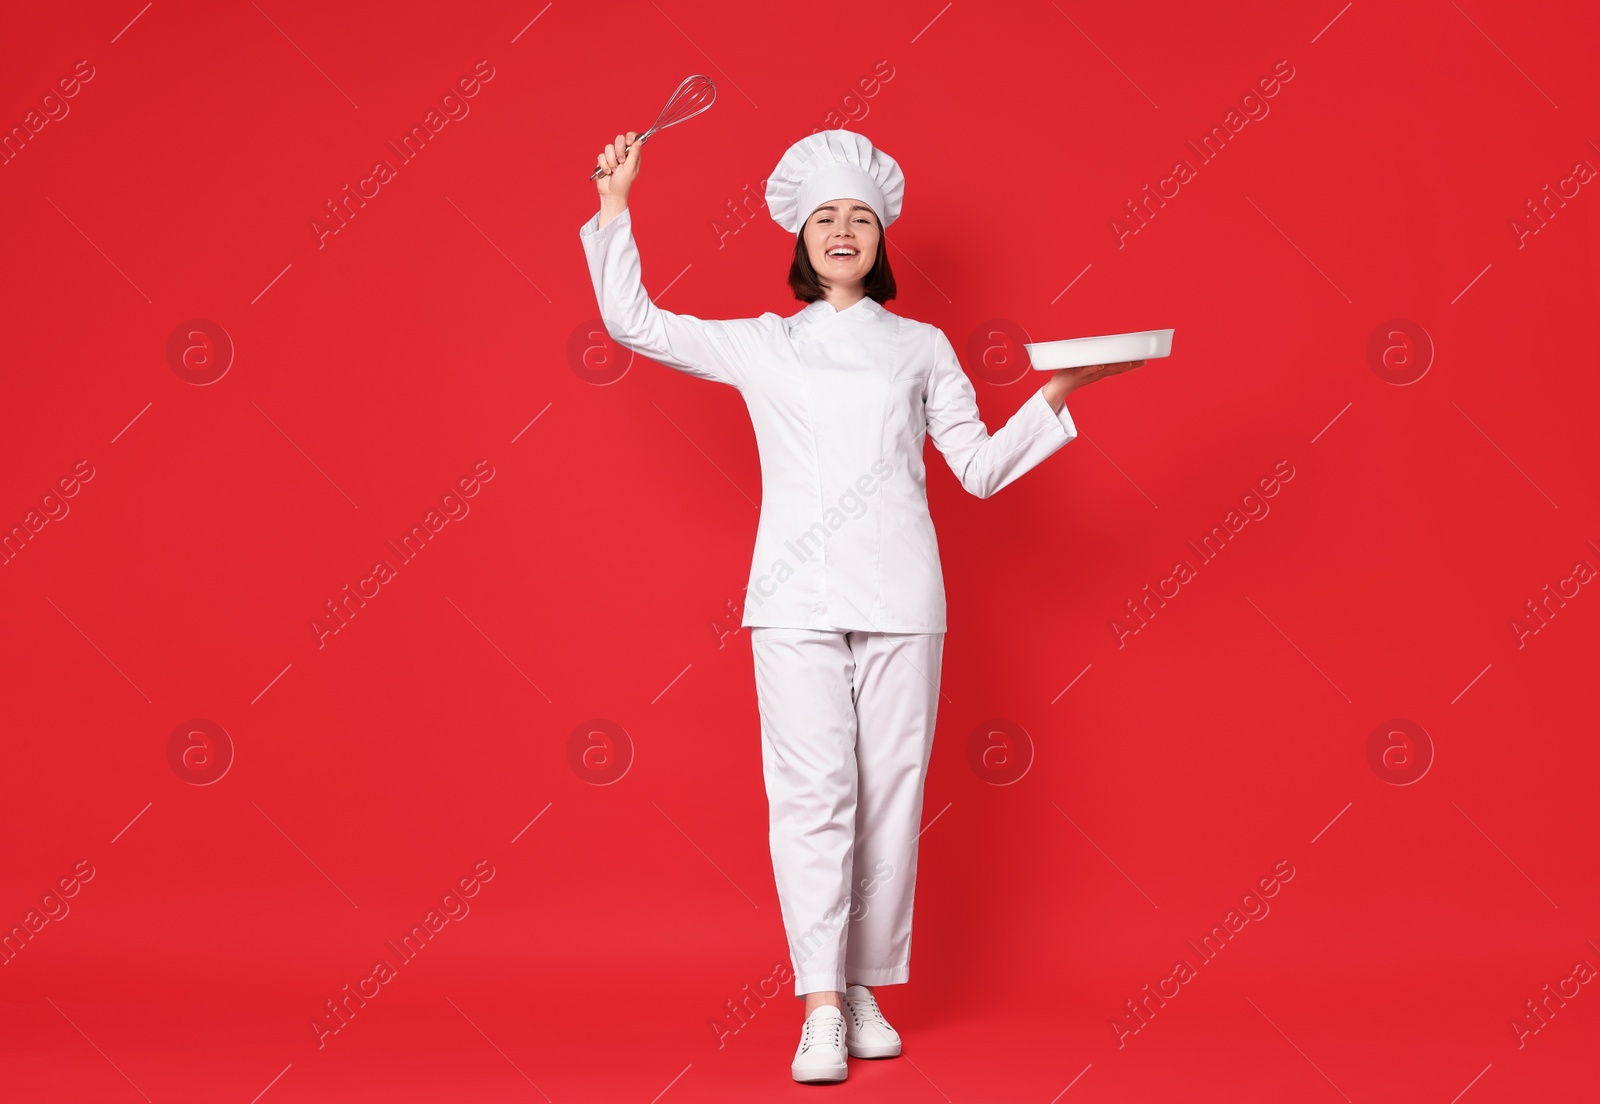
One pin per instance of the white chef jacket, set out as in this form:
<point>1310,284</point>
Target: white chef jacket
<point>840,402</point>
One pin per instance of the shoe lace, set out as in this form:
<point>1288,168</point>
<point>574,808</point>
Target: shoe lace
<point>866,1009</point>
<point>816,1026</point>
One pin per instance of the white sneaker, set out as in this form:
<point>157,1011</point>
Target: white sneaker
<point>870,1035</point>
<point>821,1054</point>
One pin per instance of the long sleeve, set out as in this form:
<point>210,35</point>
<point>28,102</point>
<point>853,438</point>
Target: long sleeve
<point>706,348</point>
<point>985,463</point>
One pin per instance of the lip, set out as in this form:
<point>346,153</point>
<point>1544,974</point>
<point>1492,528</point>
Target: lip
<point>829,253</point>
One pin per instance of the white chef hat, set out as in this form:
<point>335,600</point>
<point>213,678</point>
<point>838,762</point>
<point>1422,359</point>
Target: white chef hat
<point>833,164</point>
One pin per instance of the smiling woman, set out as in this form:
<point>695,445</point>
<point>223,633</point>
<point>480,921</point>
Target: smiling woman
<point>848,625</point>
<point>836,252</point>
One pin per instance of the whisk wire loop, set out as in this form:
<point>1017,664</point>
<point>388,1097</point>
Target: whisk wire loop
<point>690,98</point>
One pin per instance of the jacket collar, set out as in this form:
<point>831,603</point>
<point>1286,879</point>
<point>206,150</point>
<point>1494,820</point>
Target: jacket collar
<point>821,312</point>
<point>822,308</point>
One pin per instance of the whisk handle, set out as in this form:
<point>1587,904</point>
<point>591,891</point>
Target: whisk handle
<point>636,142</point>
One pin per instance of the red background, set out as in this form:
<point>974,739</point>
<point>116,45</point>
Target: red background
<point>599,573</point>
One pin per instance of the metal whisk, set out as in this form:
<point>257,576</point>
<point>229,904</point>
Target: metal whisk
<point>693,96</point>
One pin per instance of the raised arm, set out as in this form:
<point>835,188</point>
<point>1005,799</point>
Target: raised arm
<point>985,463</point>
<point>706,348</point>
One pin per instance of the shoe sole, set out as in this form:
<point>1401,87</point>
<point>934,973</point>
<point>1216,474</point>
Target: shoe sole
<point>890,1050</point>
<point>823,1074</point>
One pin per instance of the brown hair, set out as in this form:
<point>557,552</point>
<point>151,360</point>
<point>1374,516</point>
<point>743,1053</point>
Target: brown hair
<point>878,284</point>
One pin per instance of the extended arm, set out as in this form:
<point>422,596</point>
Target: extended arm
<point>984,462</point>
<point>705,348</point>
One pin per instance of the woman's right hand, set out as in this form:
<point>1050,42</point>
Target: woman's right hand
<point>620,164</point>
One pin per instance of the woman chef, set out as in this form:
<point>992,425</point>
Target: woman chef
<point>845,603</point>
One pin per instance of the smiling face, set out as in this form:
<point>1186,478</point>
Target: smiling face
<point>842,241</point>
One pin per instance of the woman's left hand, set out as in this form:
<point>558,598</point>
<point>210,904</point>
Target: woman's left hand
<point>1070,379</point>
<point>1073,378</point>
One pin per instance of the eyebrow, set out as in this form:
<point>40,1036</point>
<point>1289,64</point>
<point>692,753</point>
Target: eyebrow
<point>835,207</point>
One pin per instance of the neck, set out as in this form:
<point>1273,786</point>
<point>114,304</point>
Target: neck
<point>842,297</point>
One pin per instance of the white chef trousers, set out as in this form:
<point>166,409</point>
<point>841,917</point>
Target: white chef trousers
<point>847,723</point>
